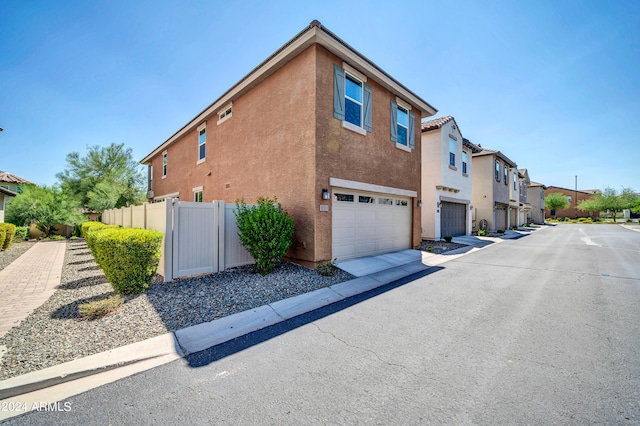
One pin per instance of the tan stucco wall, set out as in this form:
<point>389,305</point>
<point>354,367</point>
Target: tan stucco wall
<point>372,159</point>
<point>436,171</point>
<point>487,191</point>
<point>265,149</point>
<point>283,140</point>
<point>535,197</point>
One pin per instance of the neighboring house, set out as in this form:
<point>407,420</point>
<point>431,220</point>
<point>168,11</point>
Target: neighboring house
<point>446,179</point>
<point>10,186</point>
<point>5,195</point>
<point>535,197</point>
<point>494,197</point>
<point>574,197</point>
<point>524,208</point>
<point>321,127</point>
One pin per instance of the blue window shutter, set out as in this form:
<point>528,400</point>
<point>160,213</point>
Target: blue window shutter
<point>394,121</point>
<point>367,107</point>
<point>412,131</point>
<point>338,92</point>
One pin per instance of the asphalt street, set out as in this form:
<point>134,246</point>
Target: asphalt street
<point>539,330</point>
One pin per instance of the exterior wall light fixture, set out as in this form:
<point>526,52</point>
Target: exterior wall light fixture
<point>325,194</point>
<point>419,203</point>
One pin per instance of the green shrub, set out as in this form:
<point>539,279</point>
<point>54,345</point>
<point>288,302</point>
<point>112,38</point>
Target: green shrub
<point>326,268</point>
<point>56,237</point>
<point>90,230</point>
<point>22,233</point>
<point>482,232</point>
<point>87,226</point>
<point>3,236</point>
<point>129,257</point>
<point>265,230</point>
<point>100,308</point>
<point>448,238</point>
<point>500,231</point>
<point>10,232</point>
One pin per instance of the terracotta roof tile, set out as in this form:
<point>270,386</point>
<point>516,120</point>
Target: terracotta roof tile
<point>9,178</point>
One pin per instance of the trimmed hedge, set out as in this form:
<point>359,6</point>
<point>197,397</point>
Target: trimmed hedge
<point>3,235</point>
<point>10,232</point>
<point>86,226</point>
<point>129,257</point>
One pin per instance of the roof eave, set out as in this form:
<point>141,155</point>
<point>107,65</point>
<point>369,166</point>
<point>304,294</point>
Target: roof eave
<point>314,33</point>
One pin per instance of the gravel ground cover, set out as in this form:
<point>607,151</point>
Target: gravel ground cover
<point>439,246</point>
<point>16,250</point>
<point>54,333</point>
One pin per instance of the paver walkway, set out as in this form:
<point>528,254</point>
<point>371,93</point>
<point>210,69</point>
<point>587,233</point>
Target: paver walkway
<point>29,281</point>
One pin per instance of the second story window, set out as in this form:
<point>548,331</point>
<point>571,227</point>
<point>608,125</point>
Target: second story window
<point>403,126</point>
<point>352,99</point>
<point>464,162</point>
<point>497,171</point>
<point>164,165</point>
<point>452,152</point>
<point>506,175</point>
<point>202,143</point>
<point>225,113</point>
<point>515,181</point>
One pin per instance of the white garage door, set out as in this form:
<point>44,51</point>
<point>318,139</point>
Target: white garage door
<point>366,223</point>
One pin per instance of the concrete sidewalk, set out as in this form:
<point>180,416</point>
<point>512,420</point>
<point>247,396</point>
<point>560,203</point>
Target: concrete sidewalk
<point>29,281</point>
<point>71,378</point>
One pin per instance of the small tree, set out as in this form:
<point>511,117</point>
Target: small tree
<point>610,201</point>
<point>554,201</point>
<point>44,206</point>
<point>265,230</point>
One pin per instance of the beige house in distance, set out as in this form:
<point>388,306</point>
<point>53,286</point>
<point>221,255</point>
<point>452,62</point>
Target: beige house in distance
<point>495,199</point>
<point>535,197</point>
<point>446,179</point>
<point>321,127</point>
<point>10,186</point>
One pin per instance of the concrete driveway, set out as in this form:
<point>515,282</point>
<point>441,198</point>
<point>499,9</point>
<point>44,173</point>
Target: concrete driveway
<point>538,330</point>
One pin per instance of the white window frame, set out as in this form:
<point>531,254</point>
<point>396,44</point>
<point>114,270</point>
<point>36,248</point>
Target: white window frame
<point>402,104</point>
<point>405,109</point>
<point>347,97</point>
<point>225,113</point>
<point>201,128</point>
<point>198,190</point>
<point>165,162</point>
<point>515,181</point>
<point>465,167</point>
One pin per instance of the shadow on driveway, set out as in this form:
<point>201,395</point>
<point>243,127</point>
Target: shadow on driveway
<point>215,353</point>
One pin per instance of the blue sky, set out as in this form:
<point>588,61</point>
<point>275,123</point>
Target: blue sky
<point>555,85</point>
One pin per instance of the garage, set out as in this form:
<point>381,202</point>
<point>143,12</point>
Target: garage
<point>453,219</point>
<point>501,217</point>
<point>368,223</point>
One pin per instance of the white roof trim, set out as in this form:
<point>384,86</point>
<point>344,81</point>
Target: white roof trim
<point>306,38</point>
<point>369,187</point>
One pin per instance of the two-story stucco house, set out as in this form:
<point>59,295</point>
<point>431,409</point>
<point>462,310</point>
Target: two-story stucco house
<point>10,185</point>
<point>535,197</point>
<point>321,127</point>
<point>446,179</point>
<point>524,211</point>
<point>495,190</point>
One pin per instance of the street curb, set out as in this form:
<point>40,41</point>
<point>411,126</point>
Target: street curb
<point>131,359</point>
<point>134,353</point>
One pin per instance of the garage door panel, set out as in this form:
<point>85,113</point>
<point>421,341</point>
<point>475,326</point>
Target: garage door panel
<point>453,219</point>
<point>366,228</point>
